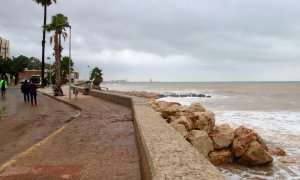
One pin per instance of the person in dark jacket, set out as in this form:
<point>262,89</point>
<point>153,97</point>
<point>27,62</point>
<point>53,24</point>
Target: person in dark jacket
<point>25,90</point>
<point>33,93</point>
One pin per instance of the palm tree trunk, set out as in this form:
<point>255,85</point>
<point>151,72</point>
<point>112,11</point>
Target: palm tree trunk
<point>5,49</point>
<point>59,64</point>
<point>43,46</point>
<point>0,45</point>
<point>16,78</point>
<point>57,87</point>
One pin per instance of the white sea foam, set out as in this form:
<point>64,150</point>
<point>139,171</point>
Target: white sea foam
<point>190,100</point>
<point>279,122</point>
<point>281,128</point>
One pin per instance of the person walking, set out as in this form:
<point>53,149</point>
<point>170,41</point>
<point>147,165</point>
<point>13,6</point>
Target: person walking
<point>3,86</point>
<point>25,90</point>
<point>33,93</point>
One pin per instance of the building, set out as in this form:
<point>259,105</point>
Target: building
<point>74,76</point>
<point>4,48</point>
<point>5,52</point>
<point>27,74</point>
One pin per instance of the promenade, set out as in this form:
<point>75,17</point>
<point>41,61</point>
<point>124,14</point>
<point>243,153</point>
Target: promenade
<point>99,143</point>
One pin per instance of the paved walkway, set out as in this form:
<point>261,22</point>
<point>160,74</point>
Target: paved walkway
<point>98,144</point>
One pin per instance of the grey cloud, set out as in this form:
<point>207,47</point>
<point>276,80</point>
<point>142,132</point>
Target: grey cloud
<point>224,39</point>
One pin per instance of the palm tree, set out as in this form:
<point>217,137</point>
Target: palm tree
<point>96,76</point>
<point>58,25</point>
<point>44,3</point>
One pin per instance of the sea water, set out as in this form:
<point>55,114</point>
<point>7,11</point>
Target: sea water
<point>271,108</point>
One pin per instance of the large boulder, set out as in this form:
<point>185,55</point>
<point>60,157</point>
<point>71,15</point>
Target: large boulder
<point>242,139</point>
<point>184,110</point>
<point>202,120</point>
<point>256,155</point>
<point>154,104</point>
<point>221,157</point>
<point>196,107</point>
<point>185,121</point>
<point>159,105</point>
<point>180,128</point>
<point>168,110</point>
<point>222,136</point>
<point>276,151</point>
<point>201,141</point>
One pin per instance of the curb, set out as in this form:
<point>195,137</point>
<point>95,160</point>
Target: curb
<point>62,101</point>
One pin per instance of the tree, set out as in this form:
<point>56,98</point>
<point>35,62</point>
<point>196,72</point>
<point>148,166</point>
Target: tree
<point>45,4</point>
<point>65,67</point>
<point>58,25</point>
<point>34,63</point>
<point>17,65</point>
<point>0,46</point>
<point>96,76</point>
<point>4,66</point>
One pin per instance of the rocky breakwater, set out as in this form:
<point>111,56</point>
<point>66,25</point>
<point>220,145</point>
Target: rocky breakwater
<point>220,144</point>
<point>153,95</point>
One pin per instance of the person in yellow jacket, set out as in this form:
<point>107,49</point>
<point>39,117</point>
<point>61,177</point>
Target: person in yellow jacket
<point>3,86</point>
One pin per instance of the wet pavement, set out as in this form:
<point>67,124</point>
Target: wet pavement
<point>98,144</point>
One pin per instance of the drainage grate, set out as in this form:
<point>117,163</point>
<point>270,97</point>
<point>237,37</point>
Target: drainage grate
<point>72,172</point>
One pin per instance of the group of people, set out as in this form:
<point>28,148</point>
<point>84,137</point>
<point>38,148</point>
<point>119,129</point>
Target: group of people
<point>3,86</point>
<point>29,89</point>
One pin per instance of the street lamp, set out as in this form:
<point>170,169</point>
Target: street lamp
<point>70,62</point>
<point>89,73</point>
<point>50,80</point>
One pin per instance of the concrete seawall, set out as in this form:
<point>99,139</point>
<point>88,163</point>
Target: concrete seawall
<point>164,153</point>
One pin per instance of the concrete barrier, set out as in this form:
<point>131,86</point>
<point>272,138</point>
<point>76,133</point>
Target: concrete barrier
<point>164,153</point>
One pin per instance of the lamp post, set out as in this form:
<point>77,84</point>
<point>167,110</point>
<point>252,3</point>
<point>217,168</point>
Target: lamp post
<point>89,73</point>
<point>70,62</point>
<point>50,80</point>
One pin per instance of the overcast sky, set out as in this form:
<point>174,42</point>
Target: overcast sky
<point>167,40</point>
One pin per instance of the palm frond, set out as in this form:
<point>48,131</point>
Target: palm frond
<point>45,2</point>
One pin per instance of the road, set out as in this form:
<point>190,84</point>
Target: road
<point>24,125</point>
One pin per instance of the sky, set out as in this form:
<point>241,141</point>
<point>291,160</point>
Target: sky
<point>170,40</point>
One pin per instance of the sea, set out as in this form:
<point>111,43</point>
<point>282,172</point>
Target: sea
<point>270,108</point>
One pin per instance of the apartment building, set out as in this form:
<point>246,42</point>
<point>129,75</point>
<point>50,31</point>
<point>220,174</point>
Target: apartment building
<point>4,48</point>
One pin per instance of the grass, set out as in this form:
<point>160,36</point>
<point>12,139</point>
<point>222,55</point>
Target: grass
<point>2,111</point>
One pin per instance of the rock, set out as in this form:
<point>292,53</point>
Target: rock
<point>96,87</point>
<point>221,157</point>
<point>161,105</point>
<point>277,151</point>
<point>171,119</point>
<point>180,128</point>
<point>202,120</point>
<point>184,110</point>
<point>200,140</point>
<point>144,94</point>
<point>222,136</point>
<point>242,139</point>
<point>287,160</point>
<point>256,155</point>
<point>169,110</point>
<point>196,107</point>
<point>174,103</point>
<point>240,146</point>
<point>186,122</point>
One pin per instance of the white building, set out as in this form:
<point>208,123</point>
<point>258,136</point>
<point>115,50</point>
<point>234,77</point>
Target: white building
<point>4,48</point>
